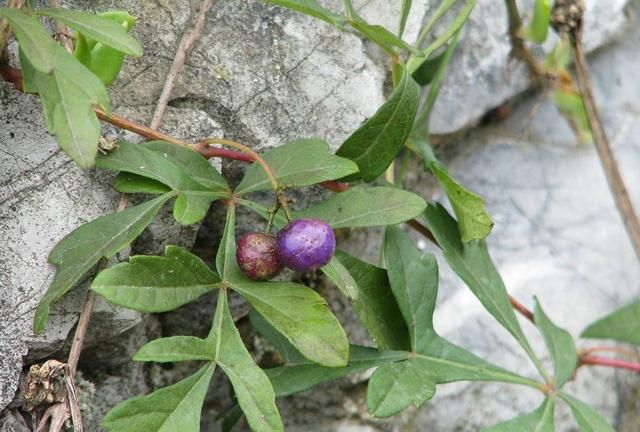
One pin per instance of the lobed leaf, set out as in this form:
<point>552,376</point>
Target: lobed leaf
<point>621,325</point>
<point>98,28</point>
<point>296,164</point>
<point>560,345</point>
<point>395,386</point>
<point>538,29</point>
<point>80,250</point>
<point>173,408</point>
<point>365,207</point>
<point>156,284</point>
<point>377,142</point>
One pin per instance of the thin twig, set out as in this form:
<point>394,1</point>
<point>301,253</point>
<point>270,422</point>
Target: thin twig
<point>62,32</point>
<point>518,48</point>
<point>189,38</point>
<point>607,158</point>
<point>522,309</point>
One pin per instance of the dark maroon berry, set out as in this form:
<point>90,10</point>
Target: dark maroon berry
<point>256,256</point>
<point>306,244</point>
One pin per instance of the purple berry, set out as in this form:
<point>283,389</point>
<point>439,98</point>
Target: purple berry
<point>306,244</point>
<point>256,256</point>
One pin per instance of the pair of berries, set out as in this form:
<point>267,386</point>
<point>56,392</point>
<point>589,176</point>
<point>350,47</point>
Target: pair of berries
<point>303,245</point>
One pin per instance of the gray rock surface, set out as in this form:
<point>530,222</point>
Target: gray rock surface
<point>264,76</point>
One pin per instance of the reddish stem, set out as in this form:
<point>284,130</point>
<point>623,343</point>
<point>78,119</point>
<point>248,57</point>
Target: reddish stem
<point>522,309</point>
<point>605,361</point>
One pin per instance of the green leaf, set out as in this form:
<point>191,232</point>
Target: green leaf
<point>588,418</point>
<point>309,326</point>
<point>381,36</point>
<point>34,40</point>
<point>340,276</point>
<point>299,163</point>
<point>226,257</point>
<point>414,62</point>
<point>377,142</point>
<point>299,376</point>
<point>156,284</point>
<point>375,305</point>
<point>68,96</point>
<point>176,349</point>
<point>621,325</point>
<point>425,74</point>
<point>170,409</point>
<point>473,220</point>
<point>312,8</point>
<point>447,362</point>
<point>541,420</point>
<point>133,183</point>
<point>193,199</point>
<point>414,282</point>
<point>560,345</point>
<point>80,250</point>
<point>193,163</point>
<point>100,29</point>
<point>404,15</point>
<point>279,342</point>
<point>471,261</point>
<point>539,27</point>
<point>251,385</point>
<point>104,61</point>
<point>365,207</point>
<point>395,386</point>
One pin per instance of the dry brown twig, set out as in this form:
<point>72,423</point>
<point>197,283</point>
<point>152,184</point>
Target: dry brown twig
<point>567,20</point>
<point>189,39</point>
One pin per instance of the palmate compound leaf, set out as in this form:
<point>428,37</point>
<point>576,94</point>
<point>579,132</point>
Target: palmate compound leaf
<point>175,408</point>
<point>541,420</point>
<point>377,142</point>
<point>622,325</point>
<point>171,167</point>
<point>98,28</point>
<point>155,283</point>
<point>80,250</point>
<point>68,95</point>
<point>560,345</point>
<point>414,283</point>
<point>310,326</point>
<point>298,163</point>
<point>223,347</point>
<point>588,418</point>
